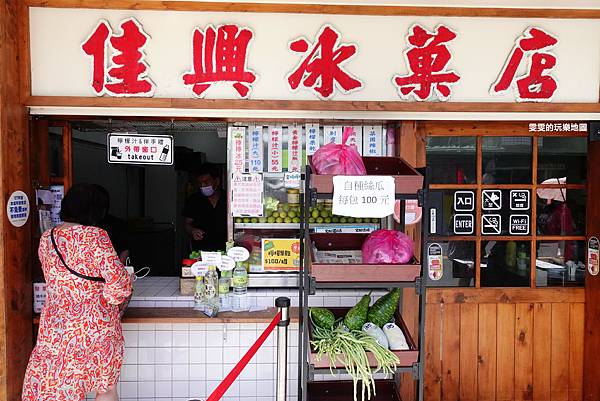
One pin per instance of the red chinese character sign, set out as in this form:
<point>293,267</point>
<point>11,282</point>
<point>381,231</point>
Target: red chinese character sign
<point>322,67</point>
<point>118,62</point>
<point>536,84</point>
<point>220,55</point>
<point>427,59</point>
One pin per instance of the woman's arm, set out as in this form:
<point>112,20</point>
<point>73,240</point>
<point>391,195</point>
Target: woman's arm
<point>118,284</point>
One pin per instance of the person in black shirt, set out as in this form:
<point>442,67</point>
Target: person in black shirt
<point>205,212</point>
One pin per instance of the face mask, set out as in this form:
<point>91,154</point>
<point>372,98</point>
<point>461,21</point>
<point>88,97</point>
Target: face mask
<point>207,191</point>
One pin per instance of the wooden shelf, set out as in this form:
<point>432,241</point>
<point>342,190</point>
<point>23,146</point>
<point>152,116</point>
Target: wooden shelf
<point>356,273</point>
<point>407,357</point>
<point>407,179</point>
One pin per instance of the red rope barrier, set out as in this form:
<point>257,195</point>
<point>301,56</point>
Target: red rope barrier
<point>237,369</point>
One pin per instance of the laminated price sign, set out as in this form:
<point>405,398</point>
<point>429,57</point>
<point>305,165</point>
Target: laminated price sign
<point>363,196</point>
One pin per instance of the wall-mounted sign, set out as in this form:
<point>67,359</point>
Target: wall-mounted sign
<point>312,138</point>
<point>435,262</point>
<point>255,148</point>
<point>491,224</point>
<point>275,156</point>
<point>593,259</point>
<point>247,195</point>
<point>17,208</point>
<point>518,224</point>
<point>126,148</point>
<point>294,148</point>
<point>238,149</point>
<point>332,134</point>
<point>491,199</point>
<point>373,141</point>
<point>519,199</point>
<point>464,201</point>
<point>58,193</point>
<point>558,127</point>
<point>363,196</point>
<point>281,254</point>
<point>464,224</point>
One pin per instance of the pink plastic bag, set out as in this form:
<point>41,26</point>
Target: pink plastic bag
<point>387,246</point>
<point>339,159</point>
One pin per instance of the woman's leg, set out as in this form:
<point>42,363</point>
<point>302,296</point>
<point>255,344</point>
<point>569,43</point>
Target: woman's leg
<point>110,395</point>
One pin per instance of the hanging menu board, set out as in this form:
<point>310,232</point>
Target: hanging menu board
<point>275,149</point>
<point>247,195</point>
<point>255,148</point>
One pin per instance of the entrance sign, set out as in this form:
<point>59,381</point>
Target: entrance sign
<point>363,196</point>
<point>491,199</point>
<point>491,224</point>
<point>464,201</point>
<point>435,262</point>
<point>519,199</point>
<point>247,195</point>
<point>126,148</point>
<point>593,256</point>
<point>464,224</point>
<point>17,208</point>
<point>519,224</point>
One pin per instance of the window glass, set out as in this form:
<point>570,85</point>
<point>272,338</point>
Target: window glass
<point>55,151</point>
<point>451,205</point>
<point>560,263</point>
<point>562,157</point>
<point>511,209</point>
<point>556,217</point>
<point>505,263</point>
<point>458,261</point>
<point>506,160</point>
<point>452,160</point>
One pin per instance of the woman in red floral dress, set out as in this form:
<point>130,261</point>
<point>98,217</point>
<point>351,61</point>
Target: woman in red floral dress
<point>80,343</point>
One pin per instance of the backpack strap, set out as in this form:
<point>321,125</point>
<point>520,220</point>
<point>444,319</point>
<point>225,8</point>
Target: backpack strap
<point>83,276</point>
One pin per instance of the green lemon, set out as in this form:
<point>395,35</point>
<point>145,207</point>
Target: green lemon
<point>292,214</point>
<point>246,219</point>
<point>275,214</point>
<point>279,220</point>
<point>343,220</point>
<point>315,214</point>
<point>320,220</point>
<point>283,215</point>
<point>296,220</point>
<point>335,219</point>
<point>271,220</point>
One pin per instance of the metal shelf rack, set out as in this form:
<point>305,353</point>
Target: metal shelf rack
<point>372,277</point>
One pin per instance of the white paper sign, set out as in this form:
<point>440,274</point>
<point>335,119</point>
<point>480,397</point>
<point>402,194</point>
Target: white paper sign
<point>312,138</point>
<point>275,149</point>
<point>373,141</point>
<point>238,151</point>
<point>255,148</point>
<point>332,134</point>
<point>363,196</point>
<point>126,148</point>
<point>247,195</point>
<point>227,263</point>
<point>211,258</point>
<point>238,254</point>
<point>200,268</point>
<point>292,180</point>
<point>17,208</point>
<point>355,138</point>
<point>294,148</point>
<point>58,193</point>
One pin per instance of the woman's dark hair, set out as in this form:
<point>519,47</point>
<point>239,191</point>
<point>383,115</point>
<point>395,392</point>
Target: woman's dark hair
<point>83,204</point>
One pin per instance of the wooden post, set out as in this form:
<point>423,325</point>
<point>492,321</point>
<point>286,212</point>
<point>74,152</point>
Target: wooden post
<point>15,249</point>
<point>591,362</point>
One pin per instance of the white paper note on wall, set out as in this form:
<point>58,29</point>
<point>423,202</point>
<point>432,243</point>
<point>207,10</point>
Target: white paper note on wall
<point>332,134</point>
<point>373,140</point>
<point>255,148</point>
<point>294,148</point>
<point>275,149</point>
<point>363,196</point>
<point>313,137</point>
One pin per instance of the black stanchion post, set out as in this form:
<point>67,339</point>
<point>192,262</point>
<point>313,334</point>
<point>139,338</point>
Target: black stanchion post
<point>283,306</point>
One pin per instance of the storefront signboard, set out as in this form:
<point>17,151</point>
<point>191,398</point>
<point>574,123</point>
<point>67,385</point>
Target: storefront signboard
<point>17,208</point>
<point>275,149</point>
<point>363,196</point>
<point>247,194</point>
<point>173,54</point>
<point>435,262</point>
<point>593,257</point>
<point>294,148</point>
<point>255,148</point>
<point>281,254</point>
<point>313,137</point>
<point>238,150</point>
<point>129,148</point>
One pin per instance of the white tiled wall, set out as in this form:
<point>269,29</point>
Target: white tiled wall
<point>176,362</point>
